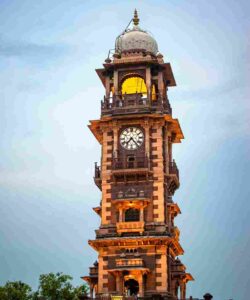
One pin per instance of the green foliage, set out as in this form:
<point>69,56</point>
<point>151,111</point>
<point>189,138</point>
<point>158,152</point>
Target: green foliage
<point>56,287</point>
<point>82,290</point>
<point>16,290</point>
<point>51,287</point>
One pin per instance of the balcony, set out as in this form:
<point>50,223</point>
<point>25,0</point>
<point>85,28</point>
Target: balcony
<point>173,169</point>
<point>131,262</point>
<point>93,271</point>
<point>134,103</point>
<point>172,178</point>
<point>139,164</point>
<point>97,176</point>
<point>175,232</point>
<point>121,191</point>
<point>122,227</point>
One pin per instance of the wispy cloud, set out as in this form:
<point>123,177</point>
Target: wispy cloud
<point>26,50</point>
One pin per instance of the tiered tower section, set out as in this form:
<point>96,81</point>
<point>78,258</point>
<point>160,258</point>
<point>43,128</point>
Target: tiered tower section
<point>137,241</point>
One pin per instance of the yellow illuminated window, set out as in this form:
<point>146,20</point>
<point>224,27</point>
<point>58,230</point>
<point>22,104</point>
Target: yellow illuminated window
<point>133,85</point>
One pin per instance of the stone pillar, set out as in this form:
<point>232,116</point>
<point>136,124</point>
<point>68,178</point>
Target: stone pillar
<point>107,85</point>
<point>141,285</point>
<point>141,214</point>
<point>166,158</point>
<point>115,141</point>
<point>160,83</point>
<point>119,287</point>
<point>147,138</point>
<point>182,289</point>
<point>120,214</point>
<point>116,82</point>
<point>148,82</point>
<point>170,149</point>
<point>91,290</point>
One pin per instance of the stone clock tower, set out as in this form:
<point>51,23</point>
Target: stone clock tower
<point>137,242</point>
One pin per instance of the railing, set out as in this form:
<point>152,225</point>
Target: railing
<point>175,232</point>
<point>131,262</point>
<point>130,227</point>
<point>122,191</point>
<point>97,175</point>
<point>93,271</point>
<point>173,169</point>
<point>97,171</point>
<point>138,162</point>
<point>132,103</point>
<point>123,101</point>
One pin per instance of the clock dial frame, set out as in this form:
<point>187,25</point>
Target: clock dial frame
<point>131,138</point>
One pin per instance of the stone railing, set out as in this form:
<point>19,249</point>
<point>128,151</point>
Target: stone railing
<point>97,175</point>
<point>130,227</point>
<point>138,163</point>
<point>134,192</point>
<point>173,169</point>
<point>134,103</point>
<point>129,262</point>
<point>93,271</point>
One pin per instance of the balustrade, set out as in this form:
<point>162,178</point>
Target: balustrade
<point>130,227</point>
<point>173,169</point>
<point>97,176</point>
<point>118,104</point>
<point>129,262</point>
<point>138,162</point>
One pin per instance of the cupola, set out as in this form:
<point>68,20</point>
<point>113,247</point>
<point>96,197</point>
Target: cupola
<point>136,39</point>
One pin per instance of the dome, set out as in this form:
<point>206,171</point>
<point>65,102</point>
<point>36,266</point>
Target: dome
<point>136,39</point>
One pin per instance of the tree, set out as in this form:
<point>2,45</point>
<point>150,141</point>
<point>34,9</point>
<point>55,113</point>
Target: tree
<point>51,287</point>
<point>56,287</point>
<point>15,290</point>
<point>82,291</point>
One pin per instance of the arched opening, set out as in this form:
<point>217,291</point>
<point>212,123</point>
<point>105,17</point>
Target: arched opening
<point>133,85</point>
<point>131,287</point>
<point>132,215</point>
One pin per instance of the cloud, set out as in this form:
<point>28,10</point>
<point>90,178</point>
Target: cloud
<point>28,50</point>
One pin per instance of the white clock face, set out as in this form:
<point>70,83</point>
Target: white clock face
<point>131,138</point>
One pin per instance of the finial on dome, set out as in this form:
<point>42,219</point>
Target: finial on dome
<point>136,19</point>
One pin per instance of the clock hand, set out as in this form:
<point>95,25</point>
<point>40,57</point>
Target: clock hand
<point>135,142</point>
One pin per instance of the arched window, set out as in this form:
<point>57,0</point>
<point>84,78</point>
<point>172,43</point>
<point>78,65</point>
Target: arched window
<point>132,215</point>
<point>133,85</point>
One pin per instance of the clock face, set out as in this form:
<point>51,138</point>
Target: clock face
<point>131,138</point>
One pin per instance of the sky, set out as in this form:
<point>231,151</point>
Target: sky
<point>49,51</point>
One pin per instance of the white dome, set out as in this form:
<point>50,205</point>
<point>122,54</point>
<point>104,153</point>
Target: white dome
<point>136,39</point>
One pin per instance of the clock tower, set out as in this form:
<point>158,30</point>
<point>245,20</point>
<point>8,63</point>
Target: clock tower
<point>137,242</point>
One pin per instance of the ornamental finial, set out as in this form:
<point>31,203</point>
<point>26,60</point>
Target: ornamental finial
<point>136,19</point>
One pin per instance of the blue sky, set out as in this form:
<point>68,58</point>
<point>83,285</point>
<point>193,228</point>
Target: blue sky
<point>49,90</point>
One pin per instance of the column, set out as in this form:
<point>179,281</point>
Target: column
<point>120,214</point>
<point>141,214</point>
<point>170,149</point>
<point>148,82</point>
<point>147,138</point>
<point>166,149</point>
<point>182,296</point>
<point>160,84</point>
<point>119,283</point>
<point>91,290</point>
<point>107,85</point>
<point>141,285</point>
<point>115,132</point>
<point>115,82</point>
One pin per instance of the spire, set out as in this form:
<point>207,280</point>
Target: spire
<point>136,19</point>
